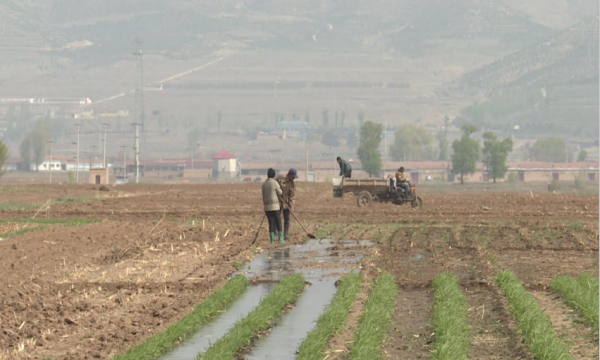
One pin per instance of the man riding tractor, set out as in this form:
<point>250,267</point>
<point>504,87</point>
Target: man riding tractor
<point>402,182</point>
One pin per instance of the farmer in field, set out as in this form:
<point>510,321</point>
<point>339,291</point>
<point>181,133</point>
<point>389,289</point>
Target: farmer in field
<point>271,191</point>
<point>288,186</point>
<point>402,182</point>
<point>345,168</point>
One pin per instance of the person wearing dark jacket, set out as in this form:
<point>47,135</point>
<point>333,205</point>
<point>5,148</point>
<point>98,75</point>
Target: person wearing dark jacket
<point>288,186</point>
<point>345,168</point>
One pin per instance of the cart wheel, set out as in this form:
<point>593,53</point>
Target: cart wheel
<point>417,203</point>
<point>364,199</point>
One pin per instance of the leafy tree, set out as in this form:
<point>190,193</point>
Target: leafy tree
<point>495,153</point>
<point>550,149</point>
<point>466,153</point>
<point>412,142</point>
<point>361,119</point>
<point>3,157</point>
<point>443,146</point>
<point>583,154</point>
<point>330,139</point>
<point>368,148</point>
<point>33,146</point>
<point>351,142</point>
<point>325,119</point>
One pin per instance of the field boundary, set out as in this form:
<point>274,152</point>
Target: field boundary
<point>315,344</point>
<point>376,319</point>
<point>580,294</point>
<point>534,325</point>
<point>260,319</point>
<point>202,314</point>
<point>449,319</point>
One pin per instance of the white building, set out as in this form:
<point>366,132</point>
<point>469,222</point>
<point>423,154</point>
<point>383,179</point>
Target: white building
<point>225,165</point>
<point>54,165</point>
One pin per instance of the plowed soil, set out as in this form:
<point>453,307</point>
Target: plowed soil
<point>91,291</point>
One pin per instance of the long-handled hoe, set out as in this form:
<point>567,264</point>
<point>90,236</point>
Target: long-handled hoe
<point>311,236</point>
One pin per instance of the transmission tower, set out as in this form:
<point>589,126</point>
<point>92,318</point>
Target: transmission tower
<point>140,110</point>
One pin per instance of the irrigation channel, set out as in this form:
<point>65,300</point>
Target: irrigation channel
<point>321,263</point>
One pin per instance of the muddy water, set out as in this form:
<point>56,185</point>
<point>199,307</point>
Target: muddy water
<point>285,338</point>
<point>203,339</point>
<point>321,264</point>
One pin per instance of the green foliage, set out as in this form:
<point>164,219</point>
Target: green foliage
<point>202,314</point>
<point>512,178</point>
<point>412,142</point>
<point>330,139</point>
<point>582,156</point>
<point>376,319</point>
<point>260,319</point>
<point>549,149</point>
<point>314,345</point>
<point>3,157</point>
<point>11,206</point>
<point>449,319</point>
<point>533,323</point>
<point>33,146</point>
<point>466,153</point>
<point>495,153</point>
<point>442,145</point>
<point>581,294</point>
<point>580,180</point>
<point>368,148</point>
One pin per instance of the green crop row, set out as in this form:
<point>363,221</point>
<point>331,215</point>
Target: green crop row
<point>202,314</point>
<point>534,325</point>
<point>449,319</point>
<point>581,294</point>
<point>261,318</point>
<point>376,319</point>
<point>315,344</point>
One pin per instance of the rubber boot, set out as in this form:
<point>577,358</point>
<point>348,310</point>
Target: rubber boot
<point>286,231</point>
<point>281,241</point>
<point>272,236</point>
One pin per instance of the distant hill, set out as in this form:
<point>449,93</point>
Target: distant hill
<point>570,56</point>
<point>551,87</point>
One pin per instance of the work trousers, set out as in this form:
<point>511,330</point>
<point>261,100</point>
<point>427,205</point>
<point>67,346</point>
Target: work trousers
<point>406,188</point>
<point>286,221</point>
<point>274,218</point>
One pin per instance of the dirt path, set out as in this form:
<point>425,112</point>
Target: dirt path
<point>568,326</point>
<point>491,336</point>
<point>410,337</point>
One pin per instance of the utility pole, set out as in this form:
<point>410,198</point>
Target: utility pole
<point>306,152</point>
<point>51,164</point>
<point>137,152</point>
<point>139,94</point>
<point>93,156</point>
<point>124,163</point>
<point>104,152</point>
<point>77,164</point>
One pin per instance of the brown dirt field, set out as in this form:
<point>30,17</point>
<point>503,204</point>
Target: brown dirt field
<point>90,291</point>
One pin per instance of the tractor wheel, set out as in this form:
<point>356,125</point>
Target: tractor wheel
<point>417,203</point>
<point>364,199</point>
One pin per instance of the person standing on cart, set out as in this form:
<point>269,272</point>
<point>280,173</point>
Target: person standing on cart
<point>345,168</point>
